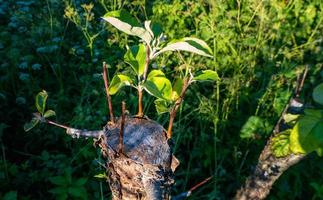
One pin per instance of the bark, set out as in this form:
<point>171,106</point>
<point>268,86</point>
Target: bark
<point>268,170</point>
<point>269,167</point>
<point>144,170</point>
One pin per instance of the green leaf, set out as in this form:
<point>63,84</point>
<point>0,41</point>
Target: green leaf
<point>136,58</point>
<point>123,21</point>
<point>28,126</point>
<point>49,113</point>
<point>307,135</point>
<point>102,175</point>
<point>118,81</point>
<point>253,125</point>
<point>58,190</point>
<point>41,99</point>
<point>158,85</point>
<point>207,75</point>
<point>63,196</point>
<point>154,29</point>
<point>162,106</point>
<point>58,180</point>
<point>318,94</point>
<point>177,88</point>
<point>192,45</point>
<point>78,192</point>
<point>290,118</point>
<point>280,144</point>
<point>314,113</point>
<point>11,195</point>
<point>80,181</point>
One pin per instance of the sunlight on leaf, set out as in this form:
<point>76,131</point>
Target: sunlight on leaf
<point>307,135</point>
<point>49,113</point>
<point>123,21</point>
<point>158,85</point>
<point>118,81</point>
<point>207,75</point>
<point>136,58</point>
<point>280,143</point>
<point>192,45</point>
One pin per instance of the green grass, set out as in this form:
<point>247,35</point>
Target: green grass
<point>259,48</point>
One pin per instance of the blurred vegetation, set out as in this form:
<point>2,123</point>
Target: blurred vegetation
<point>260,47</point>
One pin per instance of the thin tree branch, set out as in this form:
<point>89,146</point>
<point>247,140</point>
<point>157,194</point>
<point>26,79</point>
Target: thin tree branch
<point>123,118</point>
<point>188,193</point>
<point>106,85</point>
<point>270,167</point>
<point>140,110</point>
<point>76,133</point>
<point>186,83</point>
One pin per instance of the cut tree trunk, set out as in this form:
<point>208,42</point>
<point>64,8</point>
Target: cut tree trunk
<point>142,165</point>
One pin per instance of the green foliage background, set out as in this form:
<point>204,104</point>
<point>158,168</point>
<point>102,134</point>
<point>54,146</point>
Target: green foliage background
<point>260,47</point>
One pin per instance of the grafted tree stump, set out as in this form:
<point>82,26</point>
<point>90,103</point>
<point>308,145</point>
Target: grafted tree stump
<point>144,167</point>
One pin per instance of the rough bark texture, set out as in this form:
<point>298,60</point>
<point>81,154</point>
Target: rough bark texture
<point>145,168</point>
<point>269,167</point>
<point>268,170</point>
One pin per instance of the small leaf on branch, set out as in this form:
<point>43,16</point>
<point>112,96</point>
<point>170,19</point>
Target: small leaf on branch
<point>162,106</point>
<point>280,144</point>
<point>177,88</point>
<point>192,45</point>
<point>290,118</point>
<point>123,21</point>
<point>158,85</point>
<point>306,135</point>
<point>207,75</point>
<point>136,58</point>
<point>49,113</point>
<point>118,81</point>
<point>28,126</point>
<point>41,99</point>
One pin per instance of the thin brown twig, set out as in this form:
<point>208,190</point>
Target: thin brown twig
<point>301,82</point>
<point>123,118</point>
<point>200,184</point>
<point>106,85</point>
<point>178,102</point>
<point>76,133</point>
<point>140,111</point>
<point>57,124</point>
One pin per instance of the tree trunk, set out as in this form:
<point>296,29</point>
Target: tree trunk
<point>268,170</point>
<point>142,166</point>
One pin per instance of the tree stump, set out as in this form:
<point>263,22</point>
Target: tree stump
<point>142,166</point>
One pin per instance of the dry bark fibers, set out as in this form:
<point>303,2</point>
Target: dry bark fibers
<point>144,168</point>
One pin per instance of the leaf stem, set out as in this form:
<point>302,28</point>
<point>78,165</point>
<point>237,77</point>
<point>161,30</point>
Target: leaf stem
<point>144,76</point>
<point>140,112</point>
<point>106,85</point>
